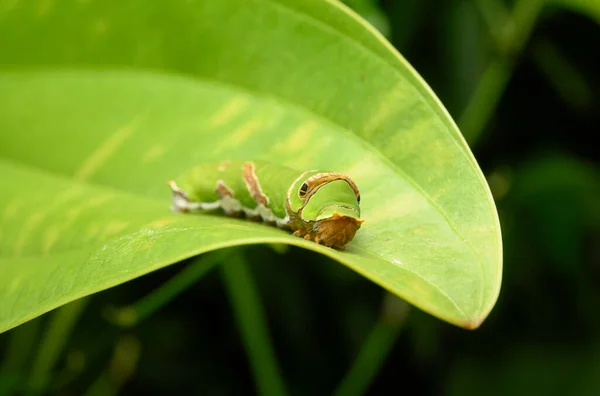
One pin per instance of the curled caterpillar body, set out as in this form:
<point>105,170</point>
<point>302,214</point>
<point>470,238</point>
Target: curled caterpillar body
<point>320,206</point>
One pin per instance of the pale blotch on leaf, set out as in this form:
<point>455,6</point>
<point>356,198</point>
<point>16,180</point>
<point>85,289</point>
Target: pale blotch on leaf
<point>387,105</point>
<point>403,204</point>
<point>27,231</point>
<point>369,168</point>
<point>297,139</point>
<point>44,7</point>
<point>12,209</point>
<point>51,235</point>
<point>240,135</point>
<point>14,284</point>
<point>74,213</point>
<point>230,110</point>
<point>154,153</point>
<point>110,146</point>
<point>114,227</point>
<point>100,27</point>
<point>93,230</point>
<point>158,224</point>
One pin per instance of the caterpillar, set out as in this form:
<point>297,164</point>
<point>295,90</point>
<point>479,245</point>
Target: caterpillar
<point>323,207</point>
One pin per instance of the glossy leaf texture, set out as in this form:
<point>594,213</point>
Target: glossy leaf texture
<point>102,102</point>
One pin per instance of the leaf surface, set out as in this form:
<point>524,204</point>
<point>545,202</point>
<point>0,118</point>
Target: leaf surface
<point>118,98</point>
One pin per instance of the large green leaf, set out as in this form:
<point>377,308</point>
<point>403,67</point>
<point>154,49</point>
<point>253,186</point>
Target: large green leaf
<point>102,102</point>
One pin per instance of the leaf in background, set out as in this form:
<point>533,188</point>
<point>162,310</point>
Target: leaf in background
<point>590,8</point>
<point>528,368</point>
<point>464,48</point>
<point>570,83</point>
<point>555,197</point>
<point>101,103</point>
<point>370,11</point>
<point>405,18</point>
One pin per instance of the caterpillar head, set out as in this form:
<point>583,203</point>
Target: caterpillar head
<point>330,203</point>
<point>336,226</point>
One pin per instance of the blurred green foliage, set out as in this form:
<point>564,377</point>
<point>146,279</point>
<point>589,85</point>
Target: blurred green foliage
<point>521,77</point>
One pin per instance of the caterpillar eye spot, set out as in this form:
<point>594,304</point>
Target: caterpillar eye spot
<point>303,190</point>
<point>358,198</point>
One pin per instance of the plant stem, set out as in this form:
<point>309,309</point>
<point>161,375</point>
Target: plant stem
<point>510,41</point>
<point>251,321</point>
<point>54,340</point>
<point>121,367</point>
<point>135,313</point>
<point>484,99</point>
<point>376,348</point>
<point>568,82</point>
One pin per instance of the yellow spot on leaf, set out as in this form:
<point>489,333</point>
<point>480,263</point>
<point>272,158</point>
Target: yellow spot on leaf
<point>366,168</point>
<point>396,207</point>
<point>93,230</point>
<point>239,136</point>
<point>74,214</point>
<point>104,231</point>
<point>8,5</point>
<point>27,231</point>
<point>154,153</point>
<point>12,209</point>
<point>386,105</point>
<point>14,284</point>
<point>100,26</point>
<point>99,157</point>
<point>50,237</point>
<point>145,245</point>
<point>161,223</point>
<point>297,139</point>
<point>228,111</point>
<point>115,227</point>
<point>93,203</point>
<point>44,7</point>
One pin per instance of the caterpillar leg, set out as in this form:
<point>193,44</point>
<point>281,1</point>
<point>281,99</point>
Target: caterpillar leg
<point>309,236</point>
<point>312,237</point>
<point>299,233</point>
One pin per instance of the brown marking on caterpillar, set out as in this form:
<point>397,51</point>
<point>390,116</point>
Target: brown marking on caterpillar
<point>223,165</point>
<point>227,201</point>
<point>175,188</point>
<point>223,190</point>
<point>178,194</point>
<point>253,185</point>
<point>313,183</point>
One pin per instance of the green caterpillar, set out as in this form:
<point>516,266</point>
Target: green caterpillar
<point>320,206</point>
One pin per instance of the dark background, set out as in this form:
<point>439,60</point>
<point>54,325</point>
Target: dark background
<point>537,147</point>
